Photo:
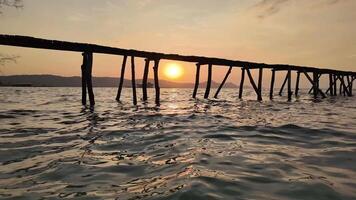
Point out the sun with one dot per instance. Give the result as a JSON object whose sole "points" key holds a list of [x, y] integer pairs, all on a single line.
{"points": [[173, 70]]}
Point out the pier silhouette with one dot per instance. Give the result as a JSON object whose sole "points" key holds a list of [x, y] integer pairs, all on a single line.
{"points": [[340, 82]]}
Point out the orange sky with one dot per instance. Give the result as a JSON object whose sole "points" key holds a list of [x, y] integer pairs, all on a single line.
{"points": [[301, 32]]}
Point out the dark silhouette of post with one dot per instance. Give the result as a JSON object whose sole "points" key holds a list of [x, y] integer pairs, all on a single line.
{"points": [[197, 77], [89, 79], [133, 81], [144, 79], [283, 85], [315, 84], [273, 77], [297, 84], [259, 98], [84, 81], [223, 82], [208, 82], [121, 78], [87, 84], [330, 85], [290, 85], [335, 84], [156, 78], [242, 82]]}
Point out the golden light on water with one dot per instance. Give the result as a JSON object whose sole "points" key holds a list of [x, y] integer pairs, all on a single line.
{"points": [[173, 71]]}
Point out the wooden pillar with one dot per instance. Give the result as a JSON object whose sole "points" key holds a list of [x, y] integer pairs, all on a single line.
{"points": [[289, 85], [223, 82], [242, 82], [144, 79], [284, 84], [89, 70], [121, 78], [335, 84], [253, 84], [315, 85], [133, 81], [155, 73], [297, 84], [84, 81], [259, 97], [208, 82], [273, 77], [349, 87], [196, 86], [311, 89], [330, 85]]}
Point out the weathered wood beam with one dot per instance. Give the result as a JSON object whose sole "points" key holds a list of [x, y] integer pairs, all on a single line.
{"points": [[208, 82], [242, 82], [197, 77], [223, 82], [144, 80], [133, 81], [273, 77], [121, 82], [31, 42], [156, 78]]}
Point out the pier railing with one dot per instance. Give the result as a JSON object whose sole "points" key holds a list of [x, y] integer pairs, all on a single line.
{"points": [[343, 79]]}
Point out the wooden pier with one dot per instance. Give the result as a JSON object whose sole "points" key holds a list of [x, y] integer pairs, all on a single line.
{"points": [[340, 82]]}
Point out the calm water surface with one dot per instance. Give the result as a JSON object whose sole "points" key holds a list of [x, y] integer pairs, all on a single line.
{"points": [[53, 148]]}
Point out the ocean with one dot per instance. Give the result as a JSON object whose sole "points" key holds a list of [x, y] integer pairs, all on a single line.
{"points": [[51, 147]]}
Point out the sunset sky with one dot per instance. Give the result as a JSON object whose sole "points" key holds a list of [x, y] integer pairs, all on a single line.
{"points": [[301, 32]]}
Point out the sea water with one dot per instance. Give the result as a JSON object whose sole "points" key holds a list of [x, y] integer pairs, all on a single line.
{"points": [[52, 147]]}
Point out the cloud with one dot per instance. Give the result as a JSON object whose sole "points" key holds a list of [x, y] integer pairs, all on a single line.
{"points": [[267, 8]]}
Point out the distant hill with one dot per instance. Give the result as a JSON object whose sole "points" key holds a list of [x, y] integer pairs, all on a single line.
{"points": [[75, 81]]}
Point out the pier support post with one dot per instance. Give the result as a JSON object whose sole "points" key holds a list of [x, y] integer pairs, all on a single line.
{"points": [[297, 84], [157, 89], [133, 81], [89, 78], [257, 89], [242, 82], [121, 82], [315, 84], [330, 85], [223, 82], [273, 77], [196, 85], [87, 67], [290, 85], [311, 89], [335, 84], [208, 82], [283, 85], [84, 81], [349, 85], [144, 79], [260, 77]]}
